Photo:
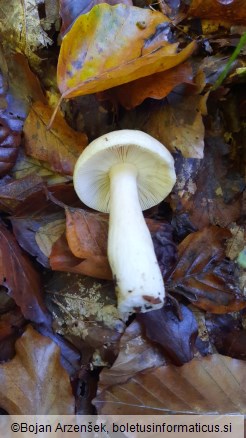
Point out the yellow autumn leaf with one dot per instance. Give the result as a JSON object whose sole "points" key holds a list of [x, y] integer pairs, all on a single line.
{"points": [[113, 45]]}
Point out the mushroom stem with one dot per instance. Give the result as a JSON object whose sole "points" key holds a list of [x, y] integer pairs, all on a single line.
{"points": [[139, 282]]}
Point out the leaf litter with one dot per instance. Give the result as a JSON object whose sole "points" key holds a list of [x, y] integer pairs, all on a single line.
{"points": [[173, 56]]}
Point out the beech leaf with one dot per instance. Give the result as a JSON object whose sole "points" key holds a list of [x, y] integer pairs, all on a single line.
{"points": [[231, 11], [18, 275], [34, 382], [60, 146], [70, 10], [136, 353], [62, 259], [210, 385], [178, 125], [203, 274], [156, 86], [112, 45], [175, 330]]}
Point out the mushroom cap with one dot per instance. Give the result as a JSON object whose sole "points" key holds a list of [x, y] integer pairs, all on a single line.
{"points": [[155, 168]]}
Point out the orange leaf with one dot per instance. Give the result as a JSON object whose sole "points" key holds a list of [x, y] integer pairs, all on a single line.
{"points": [[34, 382], [156, 86], [60, 146], [62, 259], [112, 45], [233, 11], [87, 233]]}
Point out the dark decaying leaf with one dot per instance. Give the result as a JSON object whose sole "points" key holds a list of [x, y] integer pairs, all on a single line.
{"points": [[13, 193], [210, 385], [85, 308], [214, 195], [203, 274], [165, 248], [37, 234], [18, 275], [228, 335], [174, 329], [9, 144], [40, 384], [136, 353], [70, 10], [11, 327]]}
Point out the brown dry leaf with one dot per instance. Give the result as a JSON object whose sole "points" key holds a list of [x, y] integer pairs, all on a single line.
{"points": [[210, 385], [204, 275], [60, 146], [231, 11], [12, 324], [25, 166], [13, 193], [156, 86], [21, 279], [62, 259], [87, 233], [136, 353], [178, 125], [112, 45], [34, 382]]}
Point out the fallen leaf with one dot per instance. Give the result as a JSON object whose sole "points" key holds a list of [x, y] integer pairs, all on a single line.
{"points": [[15, 192], [217, 189], [209, 385], [18, 275], [62, 259], [85, 308], [23, 89], [165, 248], [156, 86], [37, 234], [19, 86], [60, 146], [203, 274], [70, 10], [112, 45], [174, 329], [11, 326], [178, 125], [87, 233], [20, 27], [231, 11], [136, 353], [25, 166], [9, 145], [34, 382], [227, 335]]}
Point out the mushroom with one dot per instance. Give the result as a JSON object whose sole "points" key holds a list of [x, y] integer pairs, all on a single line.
{"points": [[123, 173]]}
